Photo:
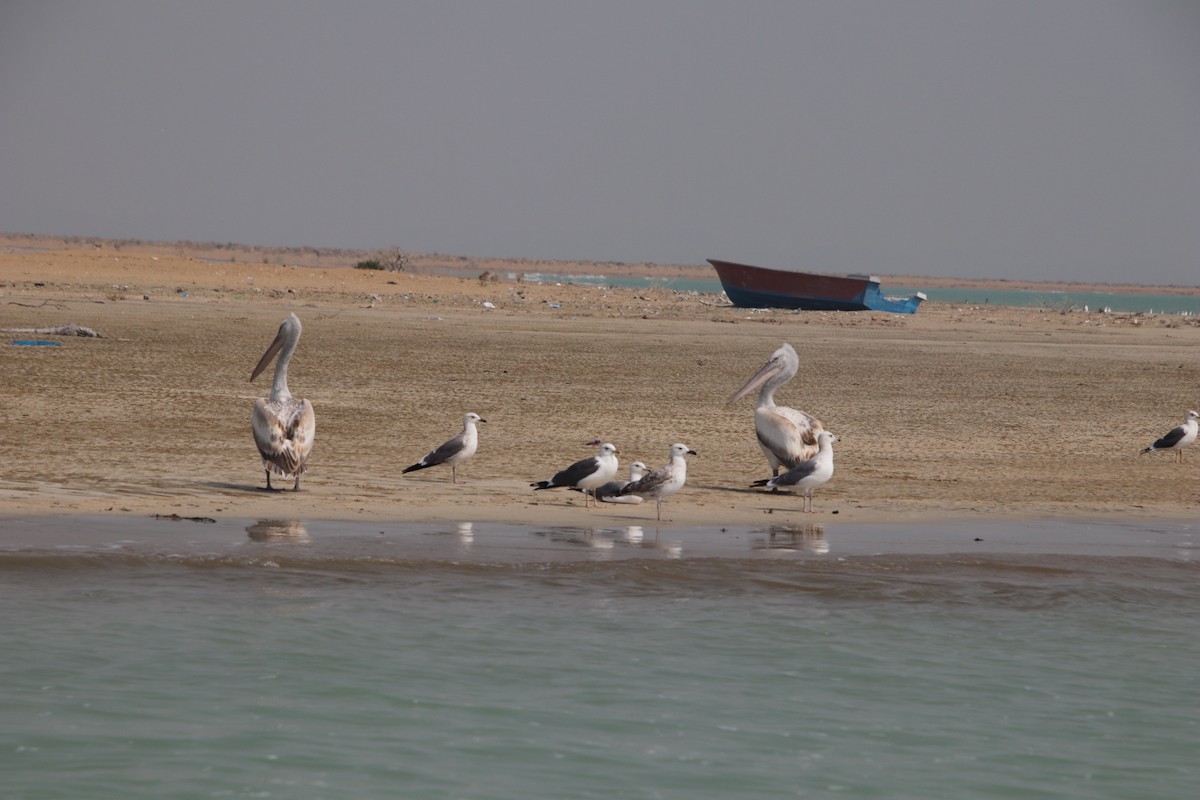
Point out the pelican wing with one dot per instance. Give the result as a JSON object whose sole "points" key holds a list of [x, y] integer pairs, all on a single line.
{"points": [[789, 434], [284, 434]]}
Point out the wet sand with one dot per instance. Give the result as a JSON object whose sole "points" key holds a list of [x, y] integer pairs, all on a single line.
{"points": [[952, 413], [337, 544]]}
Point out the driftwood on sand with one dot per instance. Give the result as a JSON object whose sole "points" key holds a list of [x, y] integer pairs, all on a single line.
{"points": [[70, 329]]}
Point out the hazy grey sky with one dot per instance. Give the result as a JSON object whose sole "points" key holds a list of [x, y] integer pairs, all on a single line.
{"points": [[1023, 138]]}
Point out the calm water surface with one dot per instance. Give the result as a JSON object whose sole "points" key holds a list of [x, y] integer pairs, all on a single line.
{"points": [[150, 659]]}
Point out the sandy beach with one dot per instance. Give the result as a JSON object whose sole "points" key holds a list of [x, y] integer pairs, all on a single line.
{"points": [[955, 412]]}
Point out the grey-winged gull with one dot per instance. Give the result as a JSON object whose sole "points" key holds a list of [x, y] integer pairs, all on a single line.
{"points": [[611, 491], [455, 451], [1179, 437], [807, 475], [586, 474]]}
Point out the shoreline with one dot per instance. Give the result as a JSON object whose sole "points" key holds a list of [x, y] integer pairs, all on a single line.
{"points": [[952, 413], [333, 544]]}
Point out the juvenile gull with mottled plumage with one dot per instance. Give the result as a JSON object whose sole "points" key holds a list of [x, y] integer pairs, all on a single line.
{"points": [[664, 481]]}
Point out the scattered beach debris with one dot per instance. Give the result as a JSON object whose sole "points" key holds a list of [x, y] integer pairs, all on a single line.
{"points": [[70, 329], [42, 304], [177, 518], [35, 343]]}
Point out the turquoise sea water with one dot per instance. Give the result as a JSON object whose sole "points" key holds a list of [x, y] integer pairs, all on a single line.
{"points": [[153, 658], [1054, 301]]}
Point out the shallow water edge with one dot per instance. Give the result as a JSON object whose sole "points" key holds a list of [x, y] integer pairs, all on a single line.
{"points": [[354, 542]]}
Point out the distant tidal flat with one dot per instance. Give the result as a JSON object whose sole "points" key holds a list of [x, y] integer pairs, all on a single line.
{"points": [[1114, 302]]}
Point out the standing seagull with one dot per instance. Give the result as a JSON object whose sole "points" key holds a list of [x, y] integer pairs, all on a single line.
{"points": [[807, 475], [455, 451], [1178, 438], [586, 474], [283, 426], [787, 436], [611, 491], [664, 481]]}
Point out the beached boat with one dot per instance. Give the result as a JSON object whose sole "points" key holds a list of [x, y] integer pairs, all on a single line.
{"points": [[761, 287]]}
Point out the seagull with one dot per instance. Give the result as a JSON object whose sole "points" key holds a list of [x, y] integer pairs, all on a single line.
{"points": [[807, 475], [455, 451], [610, 492], [1179, 437], [786, 435], [586, 474], [664, 481], [283, 426]]}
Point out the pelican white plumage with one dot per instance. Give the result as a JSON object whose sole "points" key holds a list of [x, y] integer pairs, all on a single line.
{"points": [[283, 426], [586, 474], [664, 481], [455, 451], [1178, 437], [807, 475], [786, 435]]}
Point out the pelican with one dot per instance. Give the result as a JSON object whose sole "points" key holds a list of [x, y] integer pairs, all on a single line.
{"points": [[664, 481], [1178, 437], [610, 492], [787, 436], [455, 451], [283, 426], [586, 474], [809, 474]]}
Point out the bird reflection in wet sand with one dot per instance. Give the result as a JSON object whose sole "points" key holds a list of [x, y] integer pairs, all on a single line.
{"points": [[278, 530], [793, 538]]}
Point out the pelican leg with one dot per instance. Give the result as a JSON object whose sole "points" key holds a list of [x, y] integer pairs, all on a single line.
{"points": [[269, 489], [296, 488]]}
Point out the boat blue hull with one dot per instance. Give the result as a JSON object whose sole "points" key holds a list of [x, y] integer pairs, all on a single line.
{"points": [[758, 287]]}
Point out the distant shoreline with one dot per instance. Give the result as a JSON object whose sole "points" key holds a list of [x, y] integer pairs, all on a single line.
{"points": [[442, 264]]}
